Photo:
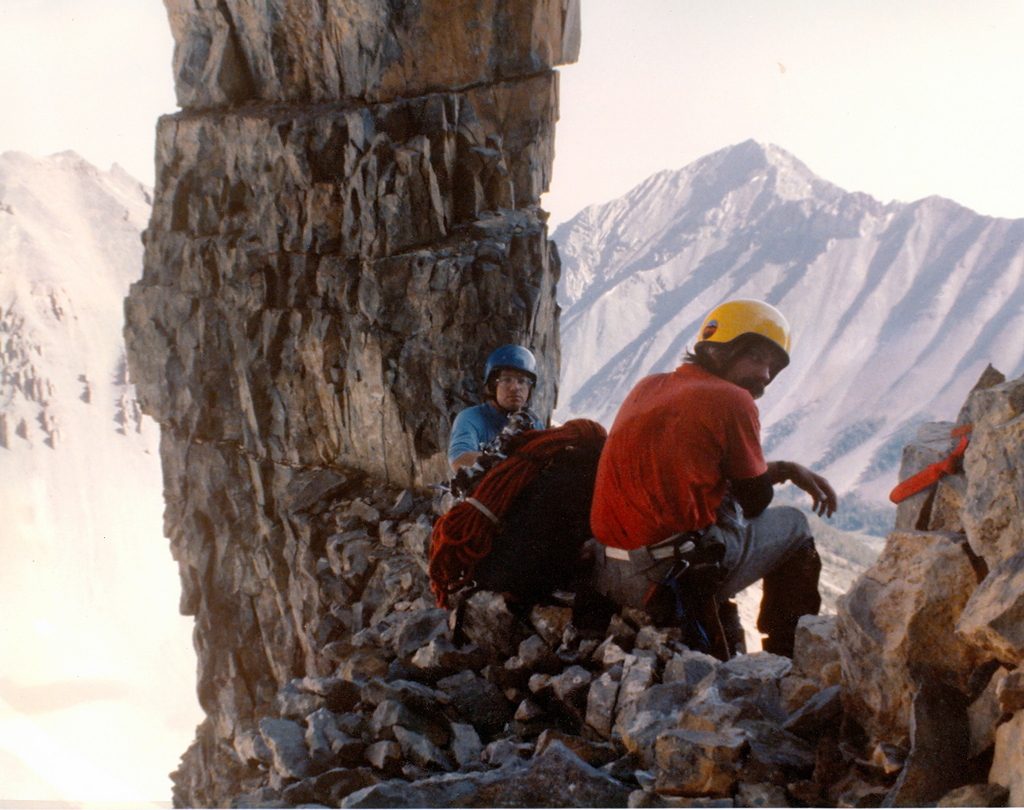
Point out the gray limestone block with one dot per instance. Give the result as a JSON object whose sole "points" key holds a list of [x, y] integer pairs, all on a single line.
{"points": [[985, 712], [753, 683], [820, 713], [932, 444], [477, 701], [230, 54], [332, 786], [590, 751], [385, 756], [601, 699], [773, 749], [557, 778], [570, 687], [466, 746], [416, 537], [993, 510], [489, 624], [900, 618], [440, 657], [993, 618], [658, 708], [420, 750], [760, 795], [534, 655], [690, 666], [939, 747], [417, 629], [286, 740], [391, 713]]}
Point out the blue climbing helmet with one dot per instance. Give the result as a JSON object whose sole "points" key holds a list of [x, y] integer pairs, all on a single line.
{"points": [[511, 356]]}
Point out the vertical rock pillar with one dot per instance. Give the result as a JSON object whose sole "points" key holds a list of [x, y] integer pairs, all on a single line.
{"points": [[345, 222]]}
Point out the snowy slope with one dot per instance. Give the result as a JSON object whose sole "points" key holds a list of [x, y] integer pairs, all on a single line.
{"points": [[98, 668], [896, 309]]}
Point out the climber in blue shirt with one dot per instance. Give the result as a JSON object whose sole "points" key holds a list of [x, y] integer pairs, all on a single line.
{"points": [[510, 374]]}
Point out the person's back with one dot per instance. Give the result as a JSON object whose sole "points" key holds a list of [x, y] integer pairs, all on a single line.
{"points": [[683, 453], [676, 441]]}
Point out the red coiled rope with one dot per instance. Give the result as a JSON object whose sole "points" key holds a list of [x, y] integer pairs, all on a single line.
{"points": [[464, 534]]}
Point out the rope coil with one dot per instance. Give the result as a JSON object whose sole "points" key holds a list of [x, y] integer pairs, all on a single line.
{"points": [[464, 535]]}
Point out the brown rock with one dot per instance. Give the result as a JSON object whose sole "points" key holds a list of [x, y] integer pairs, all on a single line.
{"points": [[983, 795], [1010, 692], [932, 444], [992, 619], [1008, 761], [899, 620], [993, 512], [985, 712], [696, 763], [815, 646], [368, 50]]}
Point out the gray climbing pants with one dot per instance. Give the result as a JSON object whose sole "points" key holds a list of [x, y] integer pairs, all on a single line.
{"points": [[775, 547]]}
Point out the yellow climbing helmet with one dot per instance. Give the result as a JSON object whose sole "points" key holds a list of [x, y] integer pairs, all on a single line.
{"points": [[745, 316]]}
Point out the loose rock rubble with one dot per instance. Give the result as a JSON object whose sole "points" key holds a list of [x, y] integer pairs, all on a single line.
{"points": [[524, 708]]}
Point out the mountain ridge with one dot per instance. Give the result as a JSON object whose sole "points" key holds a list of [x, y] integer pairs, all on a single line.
{"points": [[89, 624], [887, 300]]}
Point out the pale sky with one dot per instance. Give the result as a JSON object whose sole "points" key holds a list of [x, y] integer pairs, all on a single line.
{"points": [[899, 99]]}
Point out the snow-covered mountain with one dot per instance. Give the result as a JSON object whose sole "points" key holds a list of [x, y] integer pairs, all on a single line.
{"points": [[896, 308], [97, 685]]}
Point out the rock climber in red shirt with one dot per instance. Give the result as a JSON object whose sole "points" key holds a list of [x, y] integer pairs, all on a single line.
{"points": [[680, 504]]}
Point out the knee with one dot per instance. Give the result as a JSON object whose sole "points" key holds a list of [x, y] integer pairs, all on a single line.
{"points": [[794, 519]]}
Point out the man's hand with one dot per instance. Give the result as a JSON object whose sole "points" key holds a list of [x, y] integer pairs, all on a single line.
{"points": [[823, 496], [465, 460]]}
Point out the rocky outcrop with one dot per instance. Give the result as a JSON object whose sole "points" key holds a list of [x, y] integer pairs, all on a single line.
{"points": [[345, 222], [931, 634], [912, 695]]}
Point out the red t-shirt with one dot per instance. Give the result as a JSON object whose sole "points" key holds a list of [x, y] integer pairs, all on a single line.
{"points": [[676, 442]]}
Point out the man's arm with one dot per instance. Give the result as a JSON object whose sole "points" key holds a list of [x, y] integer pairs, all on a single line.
{"points": [[465, 460], [823, 496], [754, 494]]}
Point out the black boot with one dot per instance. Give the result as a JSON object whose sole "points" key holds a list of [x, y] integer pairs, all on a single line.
{"points": [[790, 591]]}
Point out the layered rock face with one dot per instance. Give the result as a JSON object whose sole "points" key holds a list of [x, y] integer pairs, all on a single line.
{"points": [[345, 223]]}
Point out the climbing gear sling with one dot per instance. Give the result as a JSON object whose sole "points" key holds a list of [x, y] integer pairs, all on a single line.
{"points": [[931, 474]]}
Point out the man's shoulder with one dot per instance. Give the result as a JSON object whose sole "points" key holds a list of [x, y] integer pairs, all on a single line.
{"points": [[474, 411], [692, 377]]}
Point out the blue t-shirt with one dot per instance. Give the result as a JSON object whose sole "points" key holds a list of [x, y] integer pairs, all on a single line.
{"points": [[475, 428]]}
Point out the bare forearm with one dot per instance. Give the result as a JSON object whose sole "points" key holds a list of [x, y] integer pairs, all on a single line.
{"points": [[821, 492]]}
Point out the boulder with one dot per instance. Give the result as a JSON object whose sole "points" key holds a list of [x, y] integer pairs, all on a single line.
{"points": [[993, 512], [896, 626], [1008, 759], [993, 619], [286, 740], [698, 763]]}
